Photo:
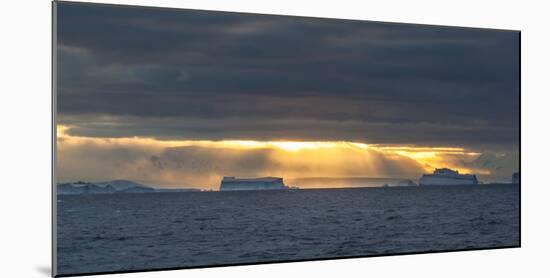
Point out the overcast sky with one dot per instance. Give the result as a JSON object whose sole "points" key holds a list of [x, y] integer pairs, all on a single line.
{"points": [[198, 75]]}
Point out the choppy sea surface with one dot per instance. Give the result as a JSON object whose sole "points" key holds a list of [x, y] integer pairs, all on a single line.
{"points": [[123, 232]]}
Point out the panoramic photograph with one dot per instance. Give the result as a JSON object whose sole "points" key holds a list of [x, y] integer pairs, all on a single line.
{"points": [[190, 138]]}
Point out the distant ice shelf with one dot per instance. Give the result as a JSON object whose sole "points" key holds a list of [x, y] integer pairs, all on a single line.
{"points": [[111, 187]]}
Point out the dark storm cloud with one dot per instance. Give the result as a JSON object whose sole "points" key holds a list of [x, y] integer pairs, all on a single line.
{"points": [[212, 75]]}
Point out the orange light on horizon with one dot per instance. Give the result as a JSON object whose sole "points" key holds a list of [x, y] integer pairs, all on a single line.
{"points": [[428, 158]]}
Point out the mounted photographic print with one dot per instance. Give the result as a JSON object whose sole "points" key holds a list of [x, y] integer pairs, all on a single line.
{"points": [[189, 138]]}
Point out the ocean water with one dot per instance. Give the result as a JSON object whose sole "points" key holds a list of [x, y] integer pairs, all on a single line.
{"points": [[122, 232]]}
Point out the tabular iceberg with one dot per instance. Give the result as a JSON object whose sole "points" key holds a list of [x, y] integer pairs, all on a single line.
{"points": [[446, 176], [265, 183], [515, 178]]}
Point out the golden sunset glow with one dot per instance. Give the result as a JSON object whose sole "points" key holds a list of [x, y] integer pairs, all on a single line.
{"points": [[437, 157], [292, 159], [291, 146]]}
